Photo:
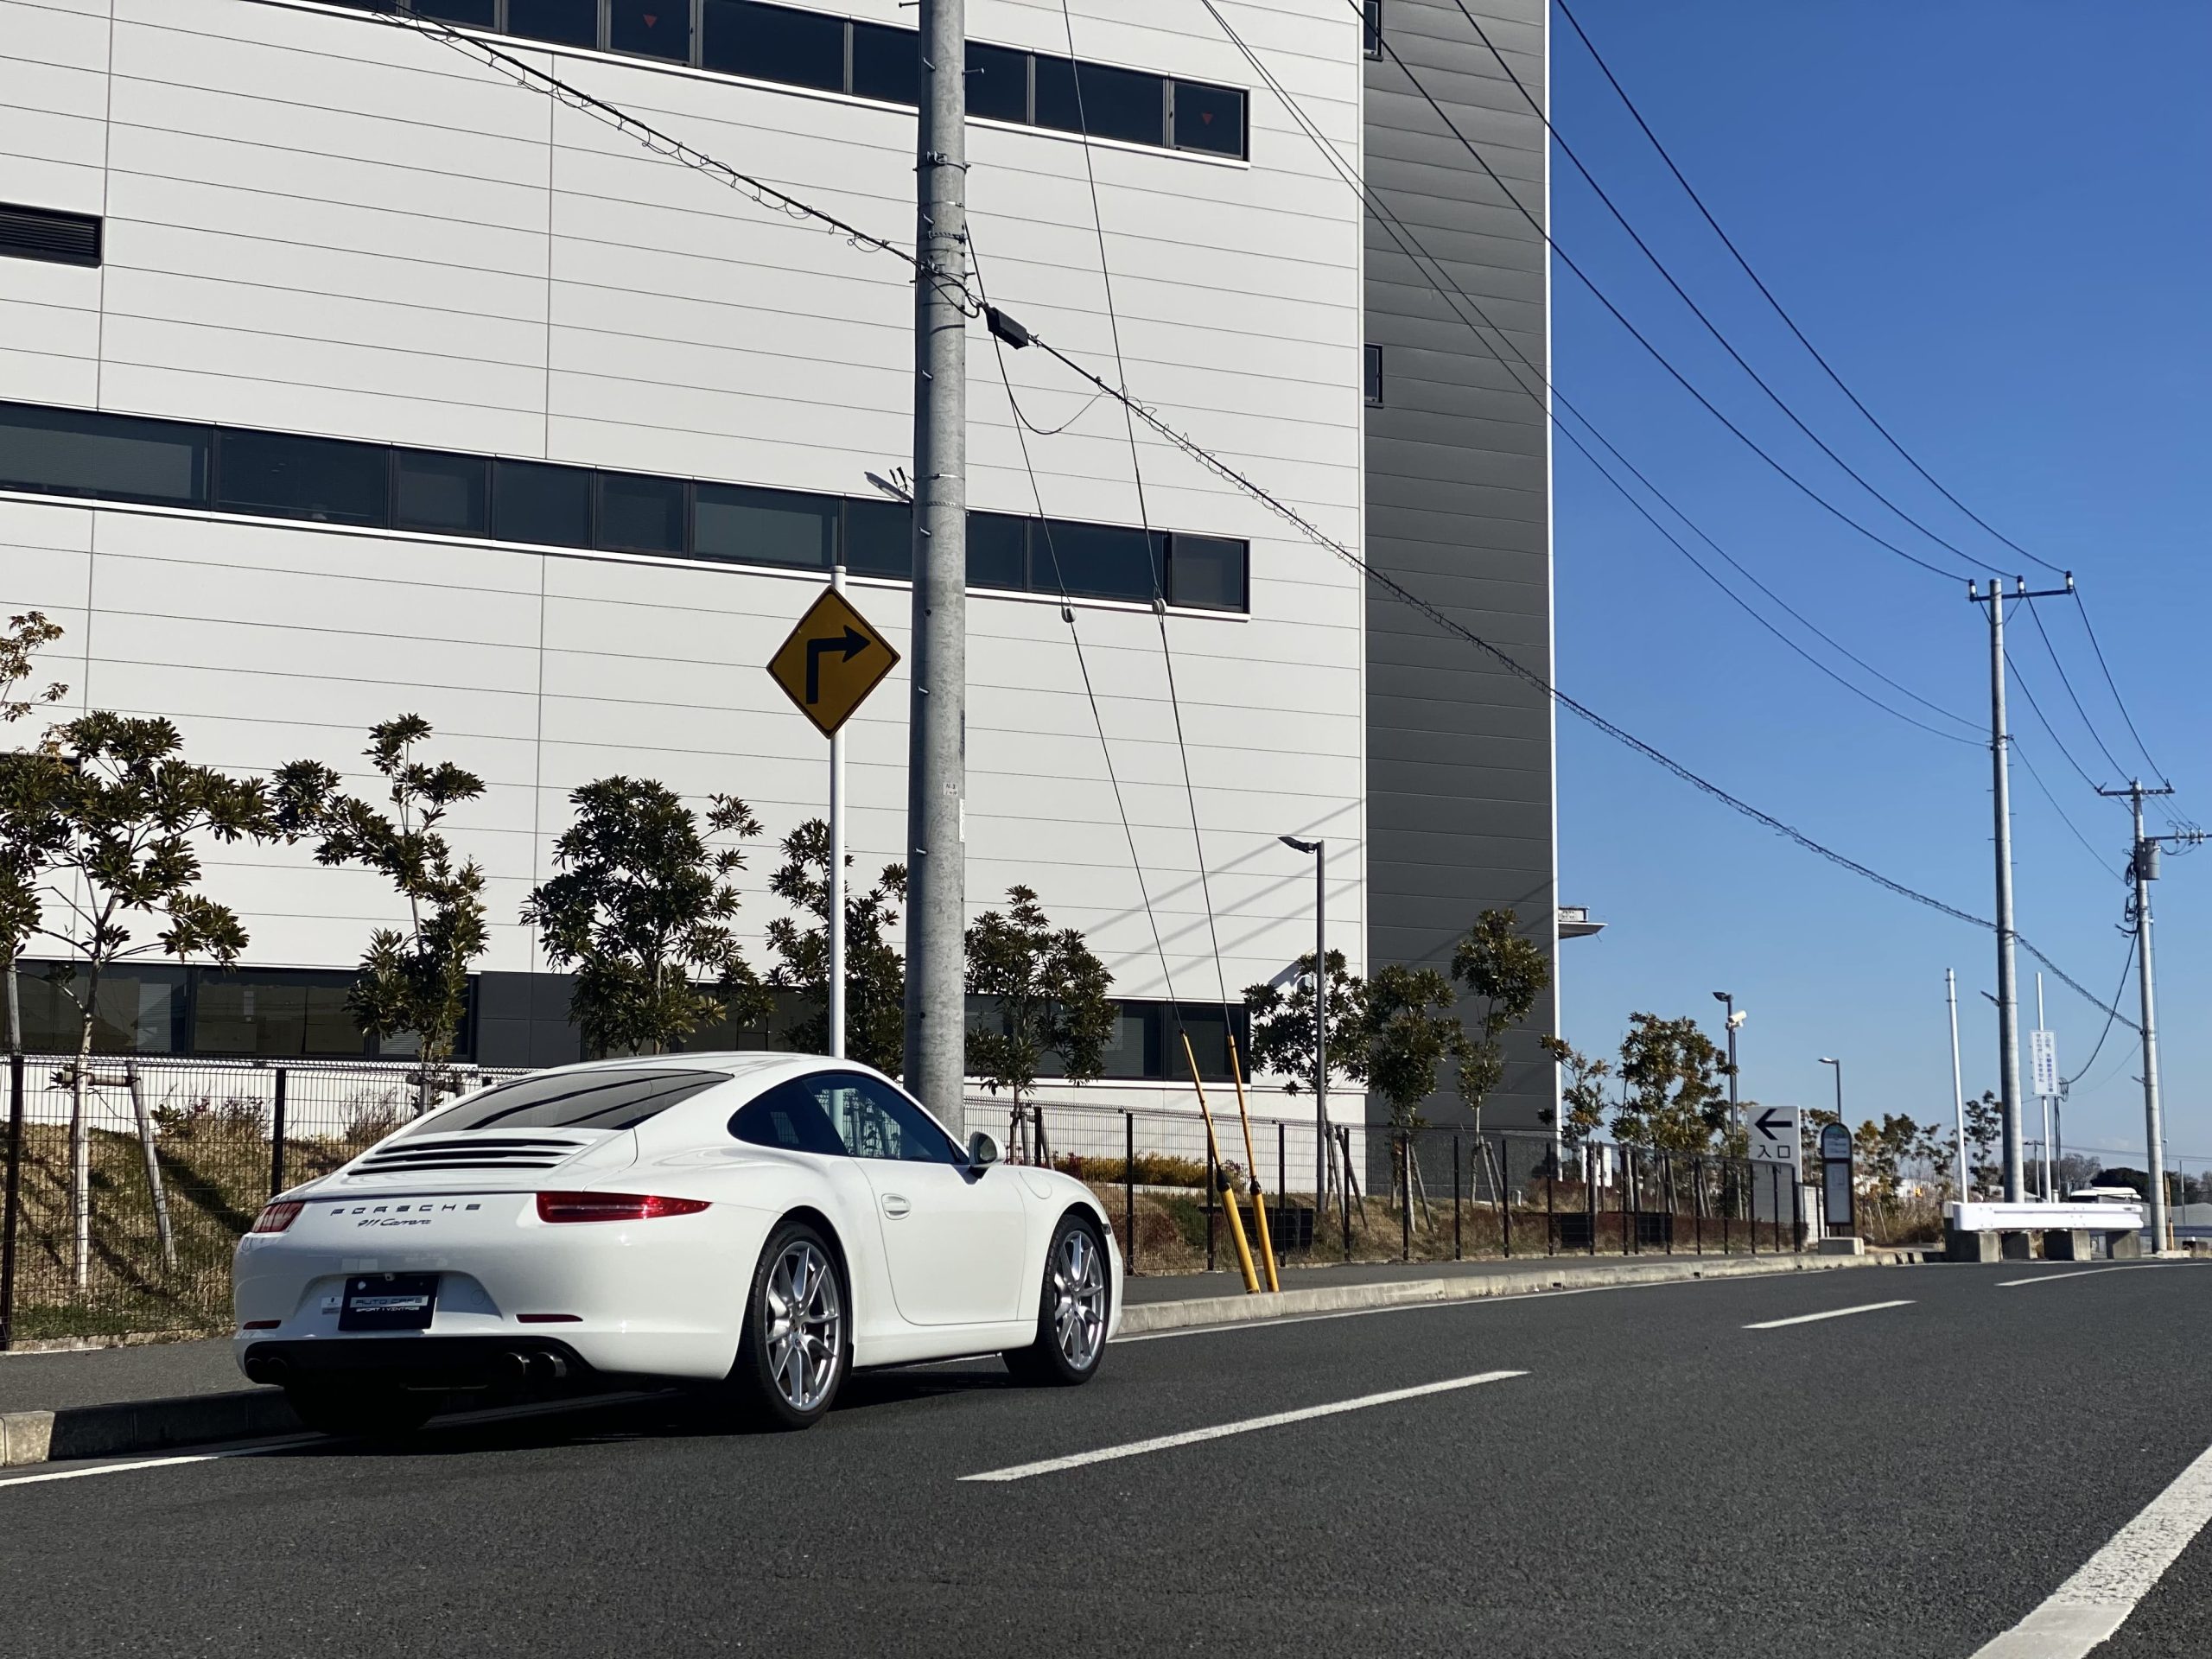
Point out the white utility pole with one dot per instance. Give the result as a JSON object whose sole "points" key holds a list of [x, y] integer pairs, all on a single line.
{"points": [[937, 903], [2143, 868], [836, 916], [1958, 1089], [2008, 989]]}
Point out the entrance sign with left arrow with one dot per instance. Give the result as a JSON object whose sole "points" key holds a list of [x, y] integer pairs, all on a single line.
{"points": [[1773, 1136], [831, 661]]}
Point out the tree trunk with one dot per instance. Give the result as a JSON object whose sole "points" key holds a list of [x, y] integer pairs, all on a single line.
{"points": [[161, 1227], [80, 1156]]}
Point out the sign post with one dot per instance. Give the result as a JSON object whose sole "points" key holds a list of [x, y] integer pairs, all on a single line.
{"points": [[827, 665], [2042, 1062], [1837, 1214]]}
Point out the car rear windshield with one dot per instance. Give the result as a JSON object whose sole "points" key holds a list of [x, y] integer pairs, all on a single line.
{"points": [[613, 1099]]}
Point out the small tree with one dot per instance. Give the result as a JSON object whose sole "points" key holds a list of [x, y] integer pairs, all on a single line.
{"points": [[875, 974], [415, 981], [1050, 995], [1673, 1073], [642, 907], [1411, 1033], [1282, 1025], [117, 811], [1504, 973], [1582, 1096], [24, 827], [1985, 1135]]}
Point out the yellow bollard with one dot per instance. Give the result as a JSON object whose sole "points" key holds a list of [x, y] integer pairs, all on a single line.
{"points": [[1213, 1146], [1252, 1169]]}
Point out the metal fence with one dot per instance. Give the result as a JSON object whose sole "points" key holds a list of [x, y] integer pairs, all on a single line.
{"points": [[1428, 1194], [126, 1222], [178, 1156]]}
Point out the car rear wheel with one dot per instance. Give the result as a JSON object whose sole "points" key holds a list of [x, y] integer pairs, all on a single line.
{"points": [[374, 1411], [1071, 1312], [793, 1356]]}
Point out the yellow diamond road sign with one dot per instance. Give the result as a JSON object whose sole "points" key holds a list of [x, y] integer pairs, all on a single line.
{"points": [[831, 661]]}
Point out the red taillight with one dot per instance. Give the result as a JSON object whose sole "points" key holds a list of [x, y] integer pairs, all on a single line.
{"points": [[613, 1206], [277, 1216]]}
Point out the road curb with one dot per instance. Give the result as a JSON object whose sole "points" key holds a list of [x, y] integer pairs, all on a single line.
{"points": [[1142, 1318], [134, 1426]]}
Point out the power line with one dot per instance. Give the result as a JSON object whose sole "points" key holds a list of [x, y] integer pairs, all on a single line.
{"points": [[2126, 962], [1431, 270], [2088, 846], [1681, 293], [1828, 369], [1636, 334], [2044, 635], [2014, 668]]}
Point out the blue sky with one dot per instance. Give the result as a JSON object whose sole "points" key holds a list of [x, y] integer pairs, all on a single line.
{"points": [[1991, 218]]}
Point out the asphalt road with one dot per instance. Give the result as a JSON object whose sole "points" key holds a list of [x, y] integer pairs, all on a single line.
{"points": [[1660, 1481]]}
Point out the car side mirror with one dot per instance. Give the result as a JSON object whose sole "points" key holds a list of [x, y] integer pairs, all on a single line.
{"points": [[984, 1150]]}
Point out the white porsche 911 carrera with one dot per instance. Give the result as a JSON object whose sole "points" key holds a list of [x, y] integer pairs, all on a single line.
{"points": [[769, 1221]]}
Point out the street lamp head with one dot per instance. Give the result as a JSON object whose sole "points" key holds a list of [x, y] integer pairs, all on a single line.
{"points": [[1829, 1060], [1302, 846], [1724, 996]]}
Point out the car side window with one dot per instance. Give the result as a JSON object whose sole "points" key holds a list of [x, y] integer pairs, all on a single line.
{"points": [[788, 1116], [872, 1120]]}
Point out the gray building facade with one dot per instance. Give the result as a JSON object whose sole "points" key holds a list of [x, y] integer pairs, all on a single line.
{"points": [[1461, 766]]}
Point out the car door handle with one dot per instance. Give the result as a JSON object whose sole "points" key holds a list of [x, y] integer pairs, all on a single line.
{"points": [[895, 1205]]}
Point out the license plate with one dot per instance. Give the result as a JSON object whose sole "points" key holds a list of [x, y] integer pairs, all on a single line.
{"points": [[389, 1301]]}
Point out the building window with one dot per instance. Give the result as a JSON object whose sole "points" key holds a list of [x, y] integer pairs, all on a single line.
{"points": [[640, 515], [470, 13], [1206, 573], [1211, 118], [447, 494], [778, 43], [998, 83], [534, 502], [653, 28], [111, 457], [77, 454], [1374, 375], [279, 476], [1101, 102], [564, 22], [163, 1008], [1370, 32], [887, 63]]}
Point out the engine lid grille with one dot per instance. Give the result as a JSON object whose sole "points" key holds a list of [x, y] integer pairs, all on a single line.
{"points": [[469, 1152]]}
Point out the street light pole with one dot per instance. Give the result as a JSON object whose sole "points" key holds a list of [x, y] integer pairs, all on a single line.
{"points": [[1824, 1060], [1727, 998], [1320, 851]]}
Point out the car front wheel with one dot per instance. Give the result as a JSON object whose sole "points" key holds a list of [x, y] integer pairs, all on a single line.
{"points": [[1072, 1311]]}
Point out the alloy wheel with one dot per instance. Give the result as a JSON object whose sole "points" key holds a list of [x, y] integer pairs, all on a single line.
{"points": [[806, 1325], [1078, 1299]]}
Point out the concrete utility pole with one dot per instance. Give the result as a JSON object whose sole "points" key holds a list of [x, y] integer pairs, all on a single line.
{"points": [[1958, 1088], [2143, 867], [2008, 989], [937, 902]]}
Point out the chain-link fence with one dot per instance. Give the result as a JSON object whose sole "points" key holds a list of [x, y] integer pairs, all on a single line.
{"points": [[124, 1199]]}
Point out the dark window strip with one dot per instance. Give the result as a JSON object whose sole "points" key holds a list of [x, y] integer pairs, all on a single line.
{"points": [[80, 452], [46, 233], [792, 46]]}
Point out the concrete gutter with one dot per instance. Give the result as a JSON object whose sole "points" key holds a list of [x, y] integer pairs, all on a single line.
{"points": [[1139, 1319], [130, 1429]]}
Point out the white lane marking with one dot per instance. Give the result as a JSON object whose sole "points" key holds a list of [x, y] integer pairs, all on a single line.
{"points": [[1276, 1419], [2087, 1608], [256, 1448], [2045, 1278], [1832, 1313]]}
